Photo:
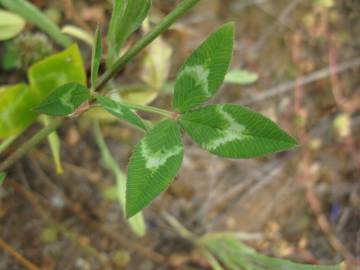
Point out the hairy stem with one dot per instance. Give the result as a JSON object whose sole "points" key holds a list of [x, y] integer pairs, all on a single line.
{"points": [[119, 64]]}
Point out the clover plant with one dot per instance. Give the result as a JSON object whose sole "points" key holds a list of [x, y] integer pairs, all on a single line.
{"points": [[57, 88], [226, 130]]}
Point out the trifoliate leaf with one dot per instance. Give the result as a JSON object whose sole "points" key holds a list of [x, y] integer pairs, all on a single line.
{"points": [[120, 111], [204, 71], [64, 100], [127, 17], [96, 57], [153, 165], [233, 131], [10, 25]]}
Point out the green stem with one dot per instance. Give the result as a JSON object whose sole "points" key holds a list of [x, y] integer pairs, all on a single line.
{"points": [[6, 143], [119, 64], [180, 10], [30, 144], [149, 109]]}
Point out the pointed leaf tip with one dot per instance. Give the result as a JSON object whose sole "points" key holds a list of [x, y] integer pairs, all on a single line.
{"points": [[204, 71], [233, 131], [153, 165]]}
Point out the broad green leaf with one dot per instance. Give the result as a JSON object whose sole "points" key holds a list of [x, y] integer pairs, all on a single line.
{"points": [[153, 165], [204, 71], [10, 25], [233, 131], [2, 177], [32, 14], [96, 57], [57, 70], [127, 17], [120, 111], [55, 145], [235, 255], [241, 76], [137, 223], [64, 100], [78, 33], [16, 102]]}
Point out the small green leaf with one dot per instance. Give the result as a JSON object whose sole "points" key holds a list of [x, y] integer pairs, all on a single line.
{"points": [[126, 18], [233, 131], [121, 111], [241, 76], [153, 165], [10, 25], [2, 177], [96, 57], [16, 102], [64, 100], [32, 14], [204, 71]]}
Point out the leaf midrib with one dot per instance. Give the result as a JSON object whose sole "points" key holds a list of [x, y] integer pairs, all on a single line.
{"points": [[252, 136]]}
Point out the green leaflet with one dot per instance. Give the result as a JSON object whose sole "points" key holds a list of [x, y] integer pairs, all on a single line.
{"points": [[234, 255], [121, 111], [64, 100], [32, 14], [136, 223], [96, 57], [233, 131], [204, 71], [2, 177], [127, 17], [153, 165], [16, 102], [241, 76], [10, 25], [56, 70]]}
